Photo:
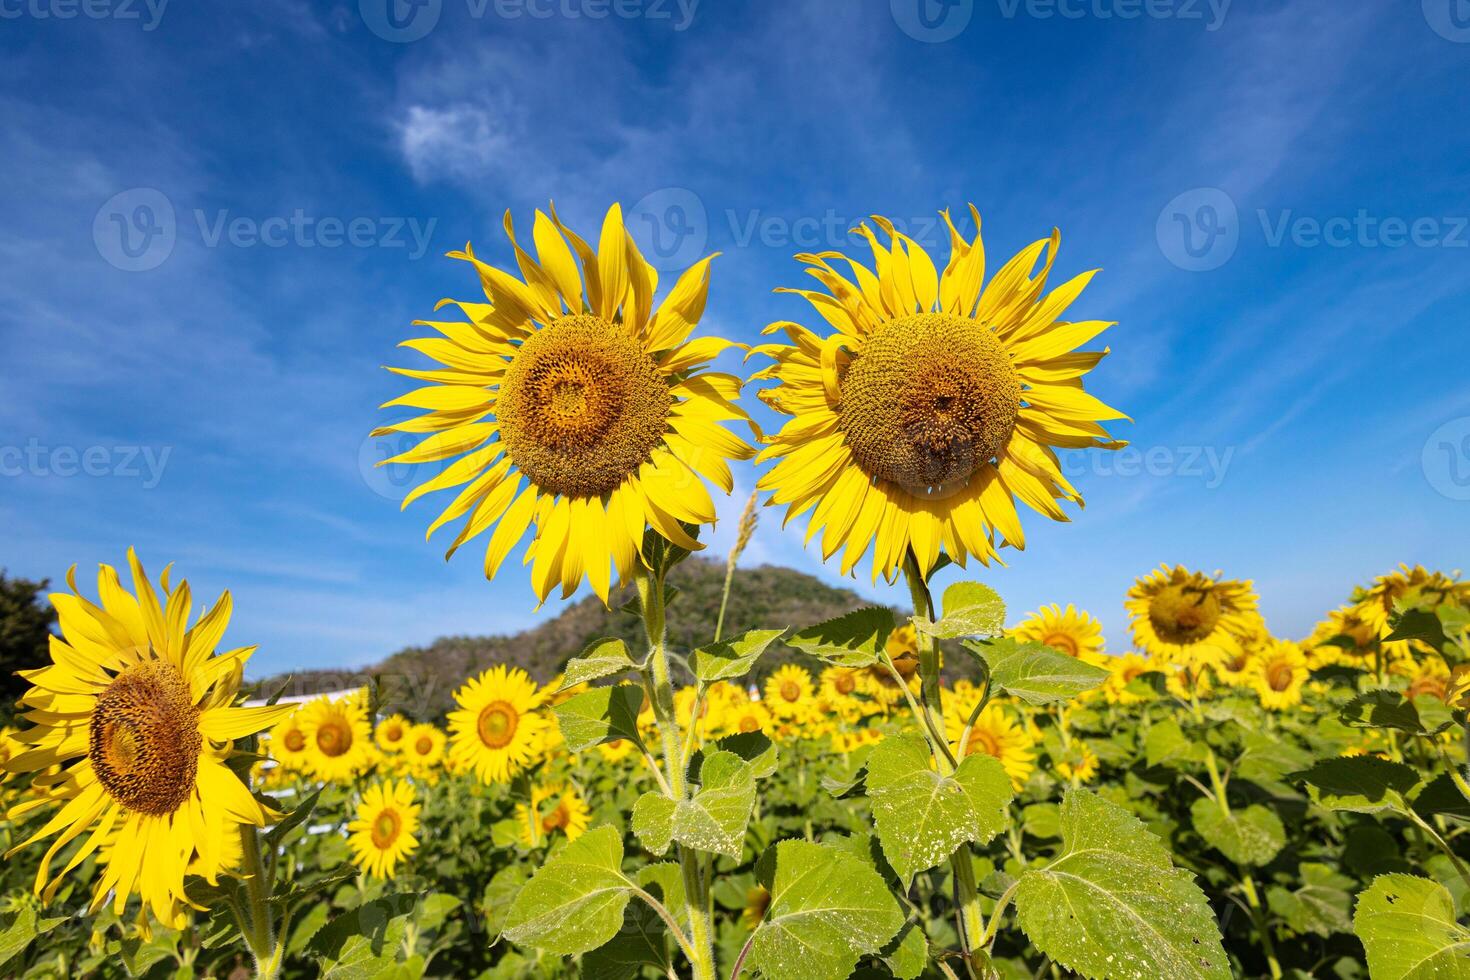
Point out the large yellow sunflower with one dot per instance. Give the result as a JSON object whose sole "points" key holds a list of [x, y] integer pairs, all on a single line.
{"points": [[788, 692], [575, 383], [1077, 634], [423, 747], [339, 741], [391, 732], [132, 723], [498, 729], [933, 404], [1189, 616], [383, 833], [996, 732]]}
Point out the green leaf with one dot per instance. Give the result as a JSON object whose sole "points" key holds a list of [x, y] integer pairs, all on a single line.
{"points": [[21, 929], [500, 895], [642, 941], [1419, 624], [828, 909], [1269, 758], [1034, 673], [923, 817], [291, 821], [1112, 904], [1251, 836], [1408, 927], [1425, 715], [603, 714], [734, 657], [380, 922], [1322, 906], [853, 640], [1166, 745], [907, 954], [970, 609], [602, 658], [575, 902], [714, 820], [435, 910], [1361, 784], [755, 748], [1441, 796]]}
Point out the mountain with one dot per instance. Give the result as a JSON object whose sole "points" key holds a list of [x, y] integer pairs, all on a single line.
{"points": [[420, 681]]}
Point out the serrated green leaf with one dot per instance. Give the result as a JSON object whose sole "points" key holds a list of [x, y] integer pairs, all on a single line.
{"points": [[603, 714], [1251, 836], [1268, 758], [713, 820], [575, 902], [970, 609], [1408, 927], [734, 657], [1361, 784], [291, 821], [1321, 906], [642, 941], [1034, 673], [1441, 797], [853, 640], [907, 954], [921, 816], [500, 895], [379, 922], [828, 909], [1112, 904], [755, 748], [1425, 715], [653, 821], [601, 658]]}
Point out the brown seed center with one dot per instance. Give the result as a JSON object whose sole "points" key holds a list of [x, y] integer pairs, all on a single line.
{"points": [[144, 739], [1184, 614], [385, 829], [497, 724]]}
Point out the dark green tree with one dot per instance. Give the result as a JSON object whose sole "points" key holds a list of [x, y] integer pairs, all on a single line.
{"points": [[26, 619]]}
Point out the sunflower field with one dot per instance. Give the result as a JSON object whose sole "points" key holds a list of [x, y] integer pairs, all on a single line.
{"points": [[952, 790]]}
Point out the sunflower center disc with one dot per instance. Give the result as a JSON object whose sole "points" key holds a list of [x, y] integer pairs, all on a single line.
{"points": [[790, 691], [930, 400], [750, 723], [295, 740], [845, 684], [498, 724], [581, 407], [1062, 642], [333, 738], [144, 739], [385, 829], [1182, 614], [424, 746], [984, 742], [1279, 677]]}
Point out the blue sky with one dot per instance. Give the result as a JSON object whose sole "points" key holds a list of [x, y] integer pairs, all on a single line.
{"points": [[1277, 194]]}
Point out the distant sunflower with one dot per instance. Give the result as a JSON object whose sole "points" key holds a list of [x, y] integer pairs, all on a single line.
{"points": [[287, 742], [339, 741], [747, 716], [552, 808], [934, 403], [1182, 615], [591, 395], [1077, 634], [617, 750], [423, 747], [1236, 661], [788, 692], [1280, 673], [497, 730], [1378, 603], [383, 833], [133, 722], [997, 733], [757, 902], [1078, 764], [1122, 672], [1360, 632], [391, 732], [839, 683]]}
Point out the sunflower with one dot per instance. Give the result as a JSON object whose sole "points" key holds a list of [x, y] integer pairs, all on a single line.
{"points": [[996, 732], [497, 730], [1280, 673], [1078, 765], [1381, 599], [423, 748], [391, 732], [1077, 634], [552, 808], [287, 742], [1185, 616], [903, 649], [1348, 622], [132, 724], [1122, 672], [757, 901], [747, 716], [1235, 665], [1194, 680], [382, 834], [616, 751], [591, 395], [850, 741], [933, 404], [788, 692], [339, 741]]}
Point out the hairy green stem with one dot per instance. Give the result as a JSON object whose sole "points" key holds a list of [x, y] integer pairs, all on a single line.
{"points": [[260, 935]]}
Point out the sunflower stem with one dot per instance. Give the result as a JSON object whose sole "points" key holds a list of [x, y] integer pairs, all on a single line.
{"points": [[701, 950], [259, 936], [972, 921]]}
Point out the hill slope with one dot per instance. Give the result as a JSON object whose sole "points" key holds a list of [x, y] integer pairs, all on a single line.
{"points": [[420, 681]]}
